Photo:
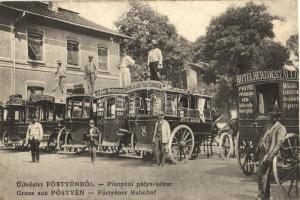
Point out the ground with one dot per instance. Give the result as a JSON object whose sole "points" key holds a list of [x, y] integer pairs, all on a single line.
{"points": [[202, 178]]}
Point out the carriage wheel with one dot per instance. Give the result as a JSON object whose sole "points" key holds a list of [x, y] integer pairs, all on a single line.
{"points": [[286, 167], [226, 145], [4, 138], [181, 144], [245, 154], [61, 138], [147, 156]]}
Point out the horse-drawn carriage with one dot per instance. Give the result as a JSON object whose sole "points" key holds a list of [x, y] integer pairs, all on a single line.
{"points": [[258, 91], [79, 110], [189, 116], [18, 113]]}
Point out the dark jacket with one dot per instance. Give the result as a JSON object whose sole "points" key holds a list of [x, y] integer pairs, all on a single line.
{"points": [[95, 137]]}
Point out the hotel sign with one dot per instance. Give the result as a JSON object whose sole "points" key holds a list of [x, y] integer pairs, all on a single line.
{"points": [[267, 75]]}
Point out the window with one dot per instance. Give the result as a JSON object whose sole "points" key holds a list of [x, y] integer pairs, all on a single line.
{"points": [[86, 109], [171, 105], [267, 96], [45, 112], [73, 52], [102, 59], [111, 108], [35, 45]]}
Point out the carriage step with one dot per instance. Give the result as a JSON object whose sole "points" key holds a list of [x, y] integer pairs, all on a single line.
{"points": [[67, 152], [129, 156], [253, 163]]}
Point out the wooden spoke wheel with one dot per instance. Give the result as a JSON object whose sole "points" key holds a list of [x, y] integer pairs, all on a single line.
{"points": [[286, 167], [4, 139], [245, 154], [181, 144], [62, 137], [226, 145]]}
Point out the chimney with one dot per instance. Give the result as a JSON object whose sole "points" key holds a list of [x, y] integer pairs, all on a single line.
{"points": [[53, 5]]}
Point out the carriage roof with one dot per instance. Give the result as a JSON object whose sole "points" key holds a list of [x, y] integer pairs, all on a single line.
{"points": [[155, 85]]}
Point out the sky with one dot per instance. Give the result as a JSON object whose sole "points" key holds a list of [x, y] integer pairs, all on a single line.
{"points": [[190, 18]]}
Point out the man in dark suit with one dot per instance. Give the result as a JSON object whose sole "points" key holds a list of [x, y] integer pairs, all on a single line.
{"points": [[94, 138]]}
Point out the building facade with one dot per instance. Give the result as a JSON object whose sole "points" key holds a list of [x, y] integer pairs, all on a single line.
{"points": [[34, 35]]}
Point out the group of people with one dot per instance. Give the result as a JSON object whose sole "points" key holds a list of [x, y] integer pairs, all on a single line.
{"points": [[161, 137], [154, 64], [268, 146]]}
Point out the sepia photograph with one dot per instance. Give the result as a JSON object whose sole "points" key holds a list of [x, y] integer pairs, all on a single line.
{"points": [[149, 100]]}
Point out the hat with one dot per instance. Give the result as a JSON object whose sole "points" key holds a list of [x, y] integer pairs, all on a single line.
{"points": [[161, 113], [275, 110], [154, 42], [90, 56], [58, 62]]}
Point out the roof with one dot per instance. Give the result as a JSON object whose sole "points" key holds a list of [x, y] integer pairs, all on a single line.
{"points": [[66, 16]]}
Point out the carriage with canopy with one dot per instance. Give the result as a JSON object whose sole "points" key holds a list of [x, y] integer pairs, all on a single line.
{"points": [[80, 108], [258, 92], [189, 115], [17, 114]]}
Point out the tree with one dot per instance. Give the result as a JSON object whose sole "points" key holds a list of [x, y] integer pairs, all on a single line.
{"points": [[143, 24], [238, 41], [293, 44]]}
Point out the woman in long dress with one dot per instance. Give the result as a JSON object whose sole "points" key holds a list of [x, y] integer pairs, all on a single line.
{"points": [[125, 77]]}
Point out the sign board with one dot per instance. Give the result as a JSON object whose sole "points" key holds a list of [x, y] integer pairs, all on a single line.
{"points": [[290, 98], [267, 75], [246, 101], [145, 85], [41, 97], [108, 91]]}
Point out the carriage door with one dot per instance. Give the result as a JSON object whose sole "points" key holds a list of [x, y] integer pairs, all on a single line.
{"points": [[267, 95], [111, 122]]}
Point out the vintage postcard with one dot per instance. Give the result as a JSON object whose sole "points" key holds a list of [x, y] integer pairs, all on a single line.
{"points": [[136, 100]]}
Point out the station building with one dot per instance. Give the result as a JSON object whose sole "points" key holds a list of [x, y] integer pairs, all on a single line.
{"points": [[34, 35]]}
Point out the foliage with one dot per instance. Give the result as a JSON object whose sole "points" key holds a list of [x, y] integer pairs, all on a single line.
{"points": [[236, 42], [293, 44], [143, 24]]}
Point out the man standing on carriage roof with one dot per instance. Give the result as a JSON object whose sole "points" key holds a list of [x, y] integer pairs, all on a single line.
{"points": [[125, 77], [90, 75], [93, 140], [33, 136], [154, 63], [269, 145], [60, 76], [161, 137]]}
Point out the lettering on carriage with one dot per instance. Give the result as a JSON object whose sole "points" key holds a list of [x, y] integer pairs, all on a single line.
{"points": [[290, 96], [267, 75], [144, 132], [245, 95]]}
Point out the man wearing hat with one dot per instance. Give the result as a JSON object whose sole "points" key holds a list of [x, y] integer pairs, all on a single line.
{"points": [[161, 137], [60, 76], [268, 146], [90, 75], [94, 138], [155, 59], [33, 136]]}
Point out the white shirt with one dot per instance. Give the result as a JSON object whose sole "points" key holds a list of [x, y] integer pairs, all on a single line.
{"points": [[155, 55], [34, 130], [125, 61]]}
